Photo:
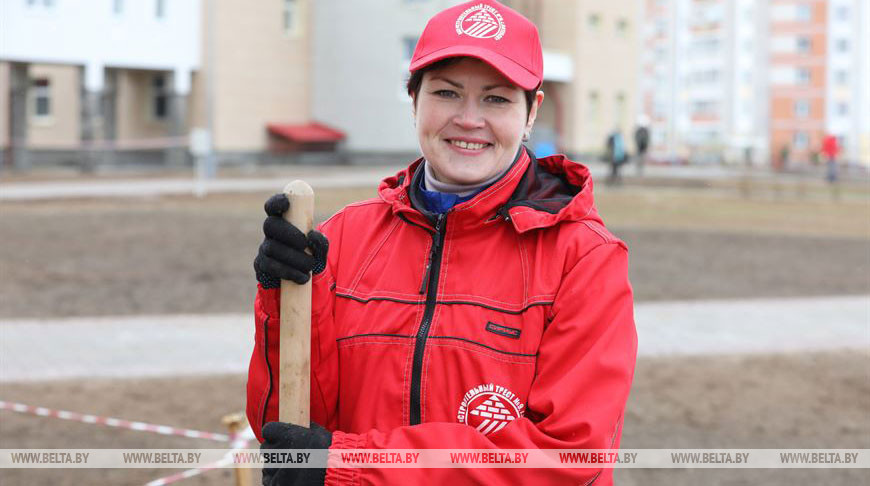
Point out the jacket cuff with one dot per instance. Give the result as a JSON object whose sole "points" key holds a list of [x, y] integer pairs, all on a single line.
{"points": [[270, 300], [344, 475]]}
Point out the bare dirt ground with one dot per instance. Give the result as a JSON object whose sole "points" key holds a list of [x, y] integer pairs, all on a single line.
{"points": [[779, 401], [180, 254], [188, 255]]}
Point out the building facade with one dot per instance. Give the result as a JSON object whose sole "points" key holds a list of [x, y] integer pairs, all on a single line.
{"points": [[758, 82], [702, 73], [78, 75]]}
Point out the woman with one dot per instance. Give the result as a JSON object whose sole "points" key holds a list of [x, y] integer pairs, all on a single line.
{"points": [[481, 278]]}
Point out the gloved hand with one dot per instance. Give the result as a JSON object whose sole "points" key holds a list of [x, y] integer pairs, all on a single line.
{"points": [[279, 435], [282, 253]]}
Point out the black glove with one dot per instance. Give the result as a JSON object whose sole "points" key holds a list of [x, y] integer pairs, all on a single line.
{"points": [[278, 435], [282, 253]]}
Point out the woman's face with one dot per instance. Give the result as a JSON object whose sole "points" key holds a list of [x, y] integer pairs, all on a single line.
{"points": [[470, 121]]}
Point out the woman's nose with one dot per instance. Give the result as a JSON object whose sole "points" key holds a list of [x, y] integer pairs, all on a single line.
{"points": [[469, 115]]}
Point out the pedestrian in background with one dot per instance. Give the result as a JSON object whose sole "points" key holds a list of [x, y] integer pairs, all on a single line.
{"points": [[641, 142], [784, 156], [830, 150], [616, 155], [478, 302]]}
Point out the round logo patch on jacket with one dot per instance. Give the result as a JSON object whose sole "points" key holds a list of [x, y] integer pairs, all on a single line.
{"points": [[489, 407]]}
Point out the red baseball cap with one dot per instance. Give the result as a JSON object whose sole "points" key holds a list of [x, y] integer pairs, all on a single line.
{"points": [[486, 30]]}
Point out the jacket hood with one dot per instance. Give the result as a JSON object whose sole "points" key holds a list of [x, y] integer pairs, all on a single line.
{"points": [[534, 193]]}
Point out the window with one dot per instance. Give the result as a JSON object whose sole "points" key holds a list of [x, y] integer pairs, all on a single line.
{"points": [[594, 21], [622, 27], [843, 45], [291, 16], [594, 106], [704, 108], [705, 77], [800, 140], [159, 97], [620, 108], [804, 44], [842, 109], [408, 45], [160, 9], [801, 108], [41, 95], [843, 13], [803, 12], [117, 7], [841, 76], [803, 76]]}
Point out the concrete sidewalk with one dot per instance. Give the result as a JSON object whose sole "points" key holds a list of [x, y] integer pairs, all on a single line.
{"points": [[326, 177], [321, 177], [143, 346]]}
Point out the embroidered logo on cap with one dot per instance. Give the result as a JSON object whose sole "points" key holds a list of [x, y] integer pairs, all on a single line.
{"points": [[489, 408], [482, 22]]}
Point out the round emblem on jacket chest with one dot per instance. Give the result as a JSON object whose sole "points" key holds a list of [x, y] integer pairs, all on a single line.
{"points": [[489, 408]]}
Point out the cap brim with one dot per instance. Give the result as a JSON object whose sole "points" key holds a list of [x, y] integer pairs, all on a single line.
{"points": [[517, 74]]}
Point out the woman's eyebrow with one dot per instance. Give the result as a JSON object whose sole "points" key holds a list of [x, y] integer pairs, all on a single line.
{"points": [[494, 86], [448, 81], [460, 86]]}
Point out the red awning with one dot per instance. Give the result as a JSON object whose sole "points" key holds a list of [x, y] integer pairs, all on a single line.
{"points": [[308, 132]]}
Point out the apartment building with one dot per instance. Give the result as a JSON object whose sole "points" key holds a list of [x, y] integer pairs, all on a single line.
{"points": [[702, 72], [847, 78], [755, 81], [798, 78]]}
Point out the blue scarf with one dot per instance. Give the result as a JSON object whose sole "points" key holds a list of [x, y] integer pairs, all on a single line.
{"points": [[441, 202]]}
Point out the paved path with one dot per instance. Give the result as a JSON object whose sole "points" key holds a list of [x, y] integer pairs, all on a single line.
{"points": [[327, 177], [36, 349], [320, 177]]}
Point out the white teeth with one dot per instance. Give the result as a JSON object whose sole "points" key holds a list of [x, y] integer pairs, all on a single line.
{"points": [[468, 145]]}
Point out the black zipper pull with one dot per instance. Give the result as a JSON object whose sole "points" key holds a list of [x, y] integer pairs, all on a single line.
{"points": [[426, 275]]}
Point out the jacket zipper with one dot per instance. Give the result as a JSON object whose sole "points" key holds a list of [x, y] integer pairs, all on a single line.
{"points": [[430, 288]]}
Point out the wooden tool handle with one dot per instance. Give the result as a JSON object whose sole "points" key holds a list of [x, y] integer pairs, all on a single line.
{"points": [[295, 341]]}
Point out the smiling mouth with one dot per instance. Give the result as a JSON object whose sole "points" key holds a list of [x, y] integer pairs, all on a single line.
{"points": [[467, 145]]}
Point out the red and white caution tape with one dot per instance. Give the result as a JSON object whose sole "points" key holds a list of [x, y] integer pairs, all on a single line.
{"points": [[190, 473], [240, 441], [112, 422]]}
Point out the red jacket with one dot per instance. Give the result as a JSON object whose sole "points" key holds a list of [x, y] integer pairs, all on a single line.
{"points": [[519, 297], [830, 147]]}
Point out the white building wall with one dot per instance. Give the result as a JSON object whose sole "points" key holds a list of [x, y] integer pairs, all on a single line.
{"points": [[360, 63], [862, 83], [91, 34], [845, 80]]}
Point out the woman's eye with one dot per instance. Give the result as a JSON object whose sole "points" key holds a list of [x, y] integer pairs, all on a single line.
{"points": [[445, 93], [497, 99]]}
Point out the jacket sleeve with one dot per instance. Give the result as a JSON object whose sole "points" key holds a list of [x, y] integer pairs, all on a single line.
{"points": [[262, 388], [584, 371]]}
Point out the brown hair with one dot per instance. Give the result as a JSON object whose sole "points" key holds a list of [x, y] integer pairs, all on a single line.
{"points": [[416, 79]]}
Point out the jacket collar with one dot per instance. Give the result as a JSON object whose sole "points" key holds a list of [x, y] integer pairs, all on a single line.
{"points": [[534, 193]]}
